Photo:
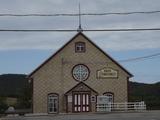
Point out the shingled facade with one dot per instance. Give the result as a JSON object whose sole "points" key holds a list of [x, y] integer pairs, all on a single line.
{"points": [[72, 78]]}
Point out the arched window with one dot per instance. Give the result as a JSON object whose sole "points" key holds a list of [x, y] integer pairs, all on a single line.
{"points": [[52, 103], [80, 47], [110, 96]]}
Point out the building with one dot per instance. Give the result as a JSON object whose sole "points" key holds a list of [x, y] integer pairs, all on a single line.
{"points": [[72, 78]]}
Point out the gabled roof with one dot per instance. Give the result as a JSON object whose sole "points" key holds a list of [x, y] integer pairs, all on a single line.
{"points": [[80, 84], [80, 33]]}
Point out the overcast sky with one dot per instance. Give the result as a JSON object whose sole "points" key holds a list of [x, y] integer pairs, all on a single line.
{"points": [[23, 52]]}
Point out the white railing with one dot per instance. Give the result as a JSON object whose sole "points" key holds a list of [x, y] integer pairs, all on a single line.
{"points": [[121, 106]]}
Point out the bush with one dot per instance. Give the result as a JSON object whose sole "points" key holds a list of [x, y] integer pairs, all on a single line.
{"points": [[3, 105]]}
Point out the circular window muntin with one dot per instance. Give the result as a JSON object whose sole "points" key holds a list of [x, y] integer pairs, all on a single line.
{"points": [[80, 77]]}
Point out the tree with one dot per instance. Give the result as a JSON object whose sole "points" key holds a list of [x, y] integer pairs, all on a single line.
{"points": [[24, 100], [3, 105]]}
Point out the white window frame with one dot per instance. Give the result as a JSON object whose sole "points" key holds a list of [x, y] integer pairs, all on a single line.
{"points": [[80, 72], [80, 47], [53, 103], [110, 96]]}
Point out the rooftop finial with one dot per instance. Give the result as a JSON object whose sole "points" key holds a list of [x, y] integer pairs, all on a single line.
{"points": [[79, 28]]}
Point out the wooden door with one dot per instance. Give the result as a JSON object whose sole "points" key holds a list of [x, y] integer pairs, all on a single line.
{"points": [[81, 102]]}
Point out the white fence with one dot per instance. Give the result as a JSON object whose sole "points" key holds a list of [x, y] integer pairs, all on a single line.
{"points": [[121, 106]]}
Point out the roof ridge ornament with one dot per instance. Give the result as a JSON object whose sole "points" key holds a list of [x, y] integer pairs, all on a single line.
{"points": [[79, 27]]}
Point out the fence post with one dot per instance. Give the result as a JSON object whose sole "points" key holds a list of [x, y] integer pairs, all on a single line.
{"points": [[126, 106]]}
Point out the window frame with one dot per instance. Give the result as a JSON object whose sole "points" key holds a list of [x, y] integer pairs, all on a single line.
{"points": [[48, 102], [88, 70], [83, 45], [109, 94]]}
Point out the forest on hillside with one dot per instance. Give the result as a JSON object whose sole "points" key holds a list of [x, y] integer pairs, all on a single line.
{"points": [[150, 93], [17, 85], [12, 85]]}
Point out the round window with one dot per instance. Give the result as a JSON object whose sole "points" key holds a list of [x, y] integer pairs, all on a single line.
{"points": [[80, 72]]}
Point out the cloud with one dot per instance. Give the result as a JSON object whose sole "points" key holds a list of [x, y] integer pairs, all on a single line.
{"points": [[106, 40], [127, 40], [34, 41]]}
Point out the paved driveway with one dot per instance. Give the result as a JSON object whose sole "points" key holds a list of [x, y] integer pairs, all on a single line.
{"points": [[147, 115]]}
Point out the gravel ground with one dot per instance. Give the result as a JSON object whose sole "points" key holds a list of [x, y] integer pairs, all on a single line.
{"points": [[146, 115]]}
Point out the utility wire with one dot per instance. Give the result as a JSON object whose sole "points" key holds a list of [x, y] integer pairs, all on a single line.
{"points": [[82, 14], [140, 58], [74, 30], [124, 13], [36, 15]]}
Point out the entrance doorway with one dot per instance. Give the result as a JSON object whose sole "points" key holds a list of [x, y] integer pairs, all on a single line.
{"points": [[81, 102]]}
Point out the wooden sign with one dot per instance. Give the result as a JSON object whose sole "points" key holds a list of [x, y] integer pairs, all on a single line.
{"points": [[107, 73]]}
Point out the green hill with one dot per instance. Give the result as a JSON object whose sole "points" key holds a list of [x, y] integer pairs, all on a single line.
{"points": [[150, 93], [13, 85]]}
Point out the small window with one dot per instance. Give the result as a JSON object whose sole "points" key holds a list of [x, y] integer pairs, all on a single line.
{"points": [[93, 98], [110, 96], [80, 47], [53, 103]]}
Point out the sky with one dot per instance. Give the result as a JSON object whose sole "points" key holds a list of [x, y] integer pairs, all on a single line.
{"points": [[22, 52]]}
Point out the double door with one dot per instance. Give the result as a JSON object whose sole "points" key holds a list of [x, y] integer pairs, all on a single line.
{"points": [[81, 102]]}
